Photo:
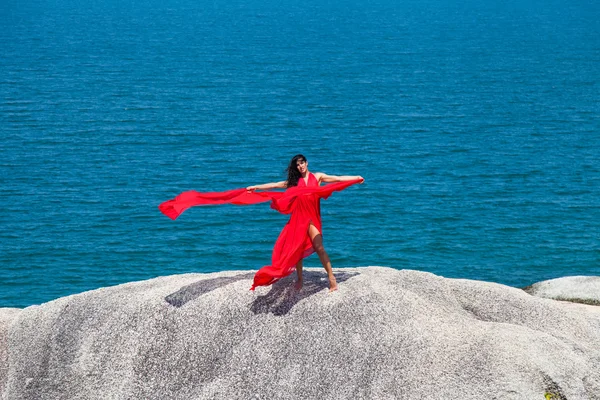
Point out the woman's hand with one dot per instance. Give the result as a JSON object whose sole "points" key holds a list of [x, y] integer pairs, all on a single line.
{"points": [[361, 178], [251, 188]]}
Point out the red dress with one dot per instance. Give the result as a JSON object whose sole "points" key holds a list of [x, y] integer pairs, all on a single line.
{"points": [[293, 244]]}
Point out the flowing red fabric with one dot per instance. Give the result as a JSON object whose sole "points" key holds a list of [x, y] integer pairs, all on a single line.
{"points": [[293, 243]]}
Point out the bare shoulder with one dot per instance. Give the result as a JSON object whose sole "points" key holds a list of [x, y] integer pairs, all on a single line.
{"points": [[320, 176]]}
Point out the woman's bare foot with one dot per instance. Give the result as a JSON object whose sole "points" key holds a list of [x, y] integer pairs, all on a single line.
{"points": [[332, 284], [298, 285]]}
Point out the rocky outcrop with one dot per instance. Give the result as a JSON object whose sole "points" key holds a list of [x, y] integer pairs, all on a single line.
{"points": [[7, 315], [577, 289], [384, 334]]}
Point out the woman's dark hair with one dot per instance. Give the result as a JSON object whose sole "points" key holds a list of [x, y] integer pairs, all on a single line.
{"points": [[292, 170]]}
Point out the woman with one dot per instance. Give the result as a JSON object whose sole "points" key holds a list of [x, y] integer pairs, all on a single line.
{"points": [[305, 221]]}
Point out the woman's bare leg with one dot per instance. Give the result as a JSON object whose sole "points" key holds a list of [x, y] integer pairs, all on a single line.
{"points": [[317, 241], [299, 272]]}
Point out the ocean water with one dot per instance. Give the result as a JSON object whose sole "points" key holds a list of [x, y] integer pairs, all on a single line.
{"points": [[475, 124]]}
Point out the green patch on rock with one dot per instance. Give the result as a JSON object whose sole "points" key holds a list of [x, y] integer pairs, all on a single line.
{"points": [[553, 391]]}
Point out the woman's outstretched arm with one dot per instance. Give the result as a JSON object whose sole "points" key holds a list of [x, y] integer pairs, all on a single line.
{"points": [[332, 178], [266, 186]]}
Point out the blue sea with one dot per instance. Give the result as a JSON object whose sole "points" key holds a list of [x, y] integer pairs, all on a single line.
{"points": [[474, 123]]}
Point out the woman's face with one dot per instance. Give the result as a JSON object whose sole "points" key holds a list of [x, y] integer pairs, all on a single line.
{"points": [[302, 166]]}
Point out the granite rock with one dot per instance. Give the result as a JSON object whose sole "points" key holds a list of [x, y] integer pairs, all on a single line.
{"points": [[385, 334], [580, 289]]}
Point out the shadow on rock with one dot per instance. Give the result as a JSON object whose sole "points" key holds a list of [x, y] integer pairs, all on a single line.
{"points": [[197, 289], [283, 295]]}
